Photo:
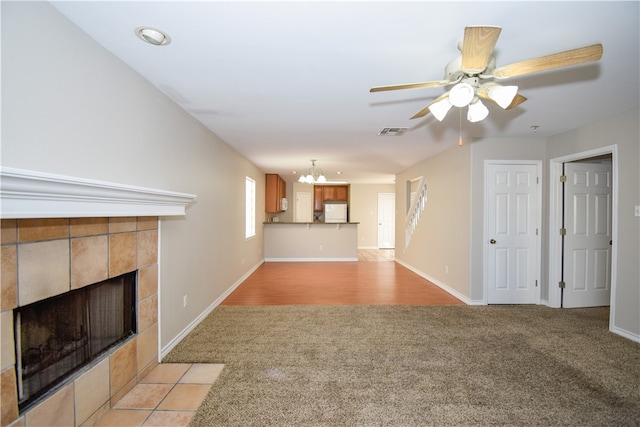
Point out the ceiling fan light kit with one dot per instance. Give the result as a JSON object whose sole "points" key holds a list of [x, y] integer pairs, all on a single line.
{"points": [[476, 64]]}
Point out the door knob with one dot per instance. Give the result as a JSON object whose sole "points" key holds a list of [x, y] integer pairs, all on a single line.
{"points": [[492, 241]]}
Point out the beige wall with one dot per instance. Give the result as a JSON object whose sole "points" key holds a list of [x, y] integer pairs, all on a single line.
{"points": [[441, 242], [70, 107]]}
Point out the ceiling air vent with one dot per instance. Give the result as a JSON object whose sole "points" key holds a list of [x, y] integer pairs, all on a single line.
{"points": [[392, 131]]}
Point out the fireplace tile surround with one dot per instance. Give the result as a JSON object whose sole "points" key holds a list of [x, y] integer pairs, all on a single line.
{"points": [[76, 252]]}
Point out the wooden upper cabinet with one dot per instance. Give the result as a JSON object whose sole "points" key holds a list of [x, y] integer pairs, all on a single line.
{"points": [[275, 191], [329, 193]]}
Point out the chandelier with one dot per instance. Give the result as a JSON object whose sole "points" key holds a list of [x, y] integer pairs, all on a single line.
{"points": [[314, 175]]}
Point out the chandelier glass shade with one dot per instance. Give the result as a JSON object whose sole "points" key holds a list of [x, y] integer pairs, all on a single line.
{"points": [[313, 175]]}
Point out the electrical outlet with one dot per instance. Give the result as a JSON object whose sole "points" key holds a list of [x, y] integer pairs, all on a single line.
{"points": [[637, 210], [184, 301], [320, 247], [446, 269]]}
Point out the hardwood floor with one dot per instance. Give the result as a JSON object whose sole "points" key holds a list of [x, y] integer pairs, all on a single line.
{"points": [[376, 281]]}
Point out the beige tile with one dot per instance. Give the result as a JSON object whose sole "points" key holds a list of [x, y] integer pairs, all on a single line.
{"points": [[185, 397], [147, 312], [147, 248], [123, 391], [9, 277], [146, 369], [169, 418], [122, 224], [91, 391], [122, 366], [89, 260], [147, 223], [43, 270], [147, 346], [147, 281], [202, 373], [168, 373], [18, 422], [96, 415], [9, 231], [144, 396], [122, 253], [9, 396], [7, 354], [123, 418], [30, 230], [55, 411], [81, 227]]}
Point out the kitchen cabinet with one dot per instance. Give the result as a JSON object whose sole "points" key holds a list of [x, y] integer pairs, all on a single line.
{"points": [[329, 193], [275, 191]]}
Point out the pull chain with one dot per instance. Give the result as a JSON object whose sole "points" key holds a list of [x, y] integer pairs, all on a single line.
{"points": [[460, 134]]}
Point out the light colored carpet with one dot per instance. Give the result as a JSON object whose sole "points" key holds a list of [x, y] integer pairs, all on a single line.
{"points": [[414, 366]]}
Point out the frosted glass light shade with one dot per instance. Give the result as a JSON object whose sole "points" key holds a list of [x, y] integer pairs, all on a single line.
{"points": [[477, 111], [440, 109], [502, 95], [461, 95]]}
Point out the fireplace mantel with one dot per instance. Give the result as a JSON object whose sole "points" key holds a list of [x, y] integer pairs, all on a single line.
{"points": [[30, 194]]}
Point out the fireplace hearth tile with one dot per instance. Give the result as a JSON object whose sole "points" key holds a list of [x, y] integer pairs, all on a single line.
{"points": [[185, 397], [9, 396], [89, 261], [83, 227], [43, 270], [7, 355], [122, 366], [122, 253], [55, 411], [91, 391], [166, 373], [9, 278], [147, 248], [144, 396], [9, 229], [31, 230], [123, 418], [148, 312], [122, 224], [147, 346], [147, 281], [147, 223]]}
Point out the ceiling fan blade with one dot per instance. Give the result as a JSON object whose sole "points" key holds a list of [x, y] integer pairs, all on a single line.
{"points": [[425, 110], [550, 62], [519, 99], [477, 47], [436, 83]]}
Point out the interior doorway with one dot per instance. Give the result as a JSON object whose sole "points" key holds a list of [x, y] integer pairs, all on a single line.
{"points": [[556, 211], [386, 220]]}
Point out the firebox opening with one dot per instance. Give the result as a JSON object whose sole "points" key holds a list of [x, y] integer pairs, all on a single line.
{"points": [[58, 336]]}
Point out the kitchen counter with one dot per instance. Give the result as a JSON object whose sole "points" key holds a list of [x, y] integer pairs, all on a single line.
{"points": [[310, 241]]}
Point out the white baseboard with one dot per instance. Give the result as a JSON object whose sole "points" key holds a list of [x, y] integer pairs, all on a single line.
{"points": [[626, 334], [191, 326], [442, 286], [311, 259]]}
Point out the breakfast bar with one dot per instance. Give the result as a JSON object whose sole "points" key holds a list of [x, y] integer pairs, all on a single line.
{"points": [[310, 241]]}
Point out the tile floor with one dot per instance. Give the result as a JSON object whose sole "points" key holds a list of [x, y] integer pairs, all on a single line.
{"points": [[168, 396], [376, 254]]}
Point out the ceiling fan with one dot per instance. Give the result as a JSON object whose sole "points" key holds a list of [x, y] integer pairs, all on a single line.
{"points": [[473, 72]]}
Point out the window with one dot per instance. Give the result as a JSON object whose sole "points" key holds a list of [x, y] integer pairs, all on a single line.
{"points": [[250, 206]]}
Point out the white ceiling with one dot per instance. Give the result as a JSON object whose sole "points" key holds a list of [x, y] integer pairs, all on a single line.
{"points": [[286, 82]]}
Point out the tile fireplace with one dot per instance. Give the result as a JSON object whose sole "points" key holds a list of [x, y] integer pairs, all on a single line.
{"points": [[60, 235]]}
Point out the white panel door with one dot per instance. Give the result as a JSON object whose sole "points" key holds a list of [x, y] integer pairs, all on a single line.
{"points": [[386, 220], [512, 246], [587, 248], [304, 207]]}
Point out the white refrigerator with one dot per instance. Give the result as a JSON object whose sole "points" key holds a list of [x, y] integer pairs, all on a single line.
{"points": [[335, 212]]}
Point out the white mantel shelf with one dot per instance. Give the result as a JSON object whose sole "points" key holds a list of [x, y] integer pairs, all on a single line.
{"points": [[30, 194]]}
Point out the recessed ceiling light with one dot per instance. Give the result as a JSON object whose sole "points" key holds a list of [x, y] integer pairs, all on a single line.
{"points": [[153, 36]]}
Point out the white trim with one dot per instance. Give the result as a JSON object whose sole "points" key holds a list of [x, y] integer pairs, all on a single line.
{"points": [[30, 194], [485, 237], [441, 285], [555, 195], [191, 326], [348, 259]]}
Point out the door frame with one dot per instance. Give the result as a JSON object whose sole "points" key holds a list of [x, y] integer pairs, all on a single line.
{"points": [[486, 237], [555, 222]]}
